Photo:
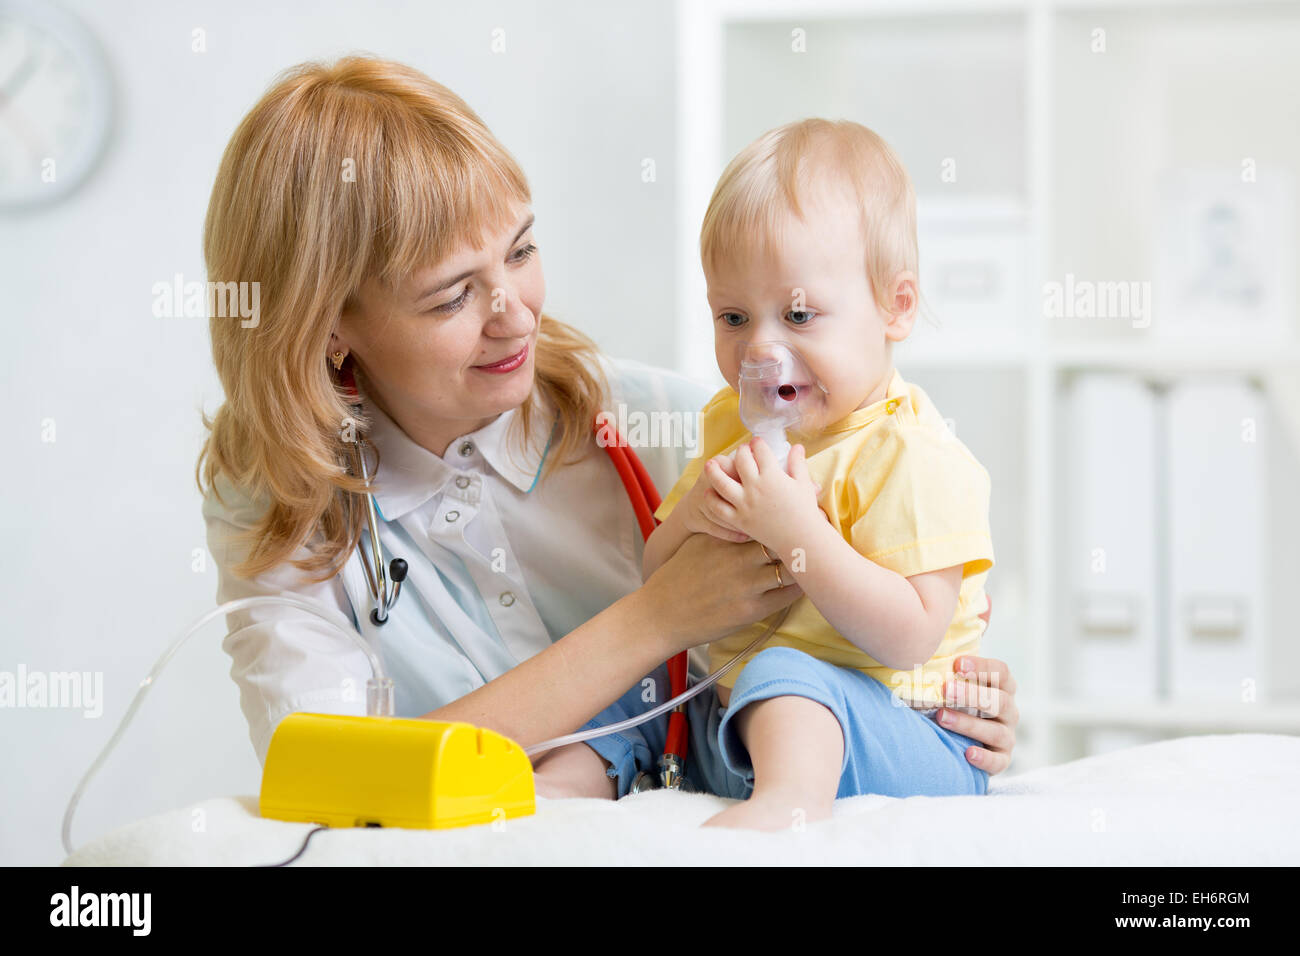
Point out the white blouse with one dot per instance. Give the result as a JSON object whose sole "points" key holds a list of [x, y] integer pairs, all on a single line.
{"points": [[500, 563]]}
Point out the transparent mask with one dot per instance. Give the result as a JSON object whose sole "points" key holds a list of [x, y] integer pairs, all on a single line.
{"points": [[778, 393]]}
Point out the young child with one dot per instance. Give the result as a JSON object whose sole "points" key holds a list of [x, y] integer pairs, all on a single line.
{"points": [[881, 516]]}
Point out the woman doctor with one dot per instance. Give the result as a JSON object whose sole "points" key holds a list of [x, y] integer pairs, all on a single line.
{"points": [[392, 235]]}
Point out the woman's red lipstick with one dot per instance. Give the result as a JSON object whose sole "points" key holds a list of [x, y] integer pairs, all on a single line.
{"points": [[506, 364]]}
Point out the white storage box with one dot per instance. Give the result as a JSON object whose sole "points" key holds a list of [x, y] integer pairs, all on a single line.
{"points": [[1216, 447], [1110, 561]]}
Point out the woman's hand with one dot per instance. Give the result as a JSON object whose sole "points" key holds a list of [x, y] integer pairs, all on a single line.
{"points": [[984, 683], [704, 511], [710, 588]]}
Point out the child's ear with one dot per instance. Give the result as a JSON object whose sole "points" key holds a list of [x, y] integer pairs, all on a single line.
{"points": [[904, 301]]}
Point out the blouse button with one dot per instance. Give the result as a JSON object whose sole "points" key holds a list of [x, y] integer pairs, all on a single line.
{"points": [[462, 481], [453, 515], [466, 449], [507, 599], [891, 405]]}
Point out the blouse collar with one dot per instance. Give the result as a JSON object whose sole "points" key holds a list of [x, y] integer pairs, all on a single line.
{"points": [[409, 474]]}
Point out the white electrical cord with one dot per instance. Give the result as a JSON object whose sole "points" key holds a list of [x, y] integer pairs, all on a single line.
{"points": [[379, 689], [622, 725]]}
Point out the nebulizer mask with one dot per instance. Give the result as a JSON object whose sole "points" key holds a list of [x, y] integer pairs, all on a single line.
{"points": [[778, 393]]}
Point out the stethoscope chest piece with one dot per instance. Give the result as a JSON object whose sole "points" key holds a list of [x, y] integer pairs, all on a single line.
{"points": [[670, 777], [643, 782]]}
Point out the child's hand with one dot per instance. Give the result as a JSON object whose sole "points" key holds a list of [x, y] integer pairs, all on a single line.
{"points": [[704, 511], [770, 505]]}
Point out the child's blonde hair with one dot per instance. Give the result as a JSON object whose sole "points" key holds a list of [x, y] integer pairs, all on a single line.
{"points": [[765, 179]]}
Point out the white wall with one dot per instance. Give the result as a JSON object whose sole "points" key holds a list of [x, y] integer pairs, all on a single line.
{"points": [[102, 523]]}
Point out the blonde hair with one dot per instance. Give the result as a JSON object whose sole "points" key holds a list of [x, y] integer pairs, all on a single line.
{"points": [[766, 178], [427, 175]]}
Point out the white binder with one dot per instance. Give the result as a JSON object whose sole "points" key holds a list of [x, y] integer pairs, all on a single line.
{"points": [[1110, 501], [1216, 438]]}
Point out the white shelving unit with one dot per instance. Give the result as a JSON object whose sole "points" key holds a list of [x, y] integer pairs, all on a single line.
{"points": [[738, 77]]}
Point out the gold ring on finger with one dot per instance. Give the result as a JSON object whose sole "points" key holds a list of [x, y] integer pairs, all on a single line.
{"points": [[780, 582], [766, 553]]}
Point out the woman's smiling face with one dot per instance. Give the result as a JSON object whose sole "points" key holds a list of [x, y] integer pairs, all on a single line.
{"points": [[451, 347], [813, 294]]}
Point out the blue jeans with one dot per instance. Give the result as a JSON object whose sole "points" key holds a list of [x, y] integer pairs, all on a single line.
{"points": [[889, 749]]}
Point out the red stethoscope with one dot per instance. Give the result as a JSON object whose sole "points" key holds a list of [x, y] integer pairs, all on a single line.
{"points": [[645, 501]]}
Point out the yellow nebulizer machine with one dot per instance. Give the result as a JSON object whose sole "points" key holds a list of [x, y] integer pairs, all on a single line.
{"points": [[341, 770], [349, 771]]}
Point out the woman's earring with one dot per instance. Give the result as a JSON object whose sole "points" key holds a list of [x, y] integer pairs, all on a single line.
{"points": [[337, 359]]}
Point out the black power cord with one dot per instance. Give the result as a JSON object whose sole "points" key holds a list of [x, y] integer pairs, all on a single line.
{"points": [[301, 849]]}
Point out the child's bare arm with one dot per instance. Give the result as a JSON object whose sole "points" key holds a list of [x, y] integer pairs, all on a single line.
{"points": [[663, 543]]}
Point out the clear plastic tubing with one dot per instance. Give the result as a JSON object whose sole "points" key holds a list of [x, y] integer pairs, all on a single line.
{"points": [[663, 708]]}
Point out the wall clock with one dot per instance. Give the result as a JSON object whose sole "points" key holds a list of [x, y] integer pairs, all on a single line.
{"points": [[55, 103]]}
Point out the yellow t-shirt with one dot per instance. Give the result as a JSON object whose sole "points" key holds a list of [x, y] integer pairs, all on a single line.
{"points": [[906, 494]]}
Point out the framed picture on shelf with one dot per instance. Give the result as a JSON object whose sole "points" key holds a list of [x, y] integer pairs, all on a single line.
{"points": [[1225, 262]]}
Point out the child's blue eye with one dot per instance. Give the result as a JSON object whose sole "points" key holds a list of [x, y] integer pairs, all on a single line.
{"points": [[728, 316], [799, 318]]}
